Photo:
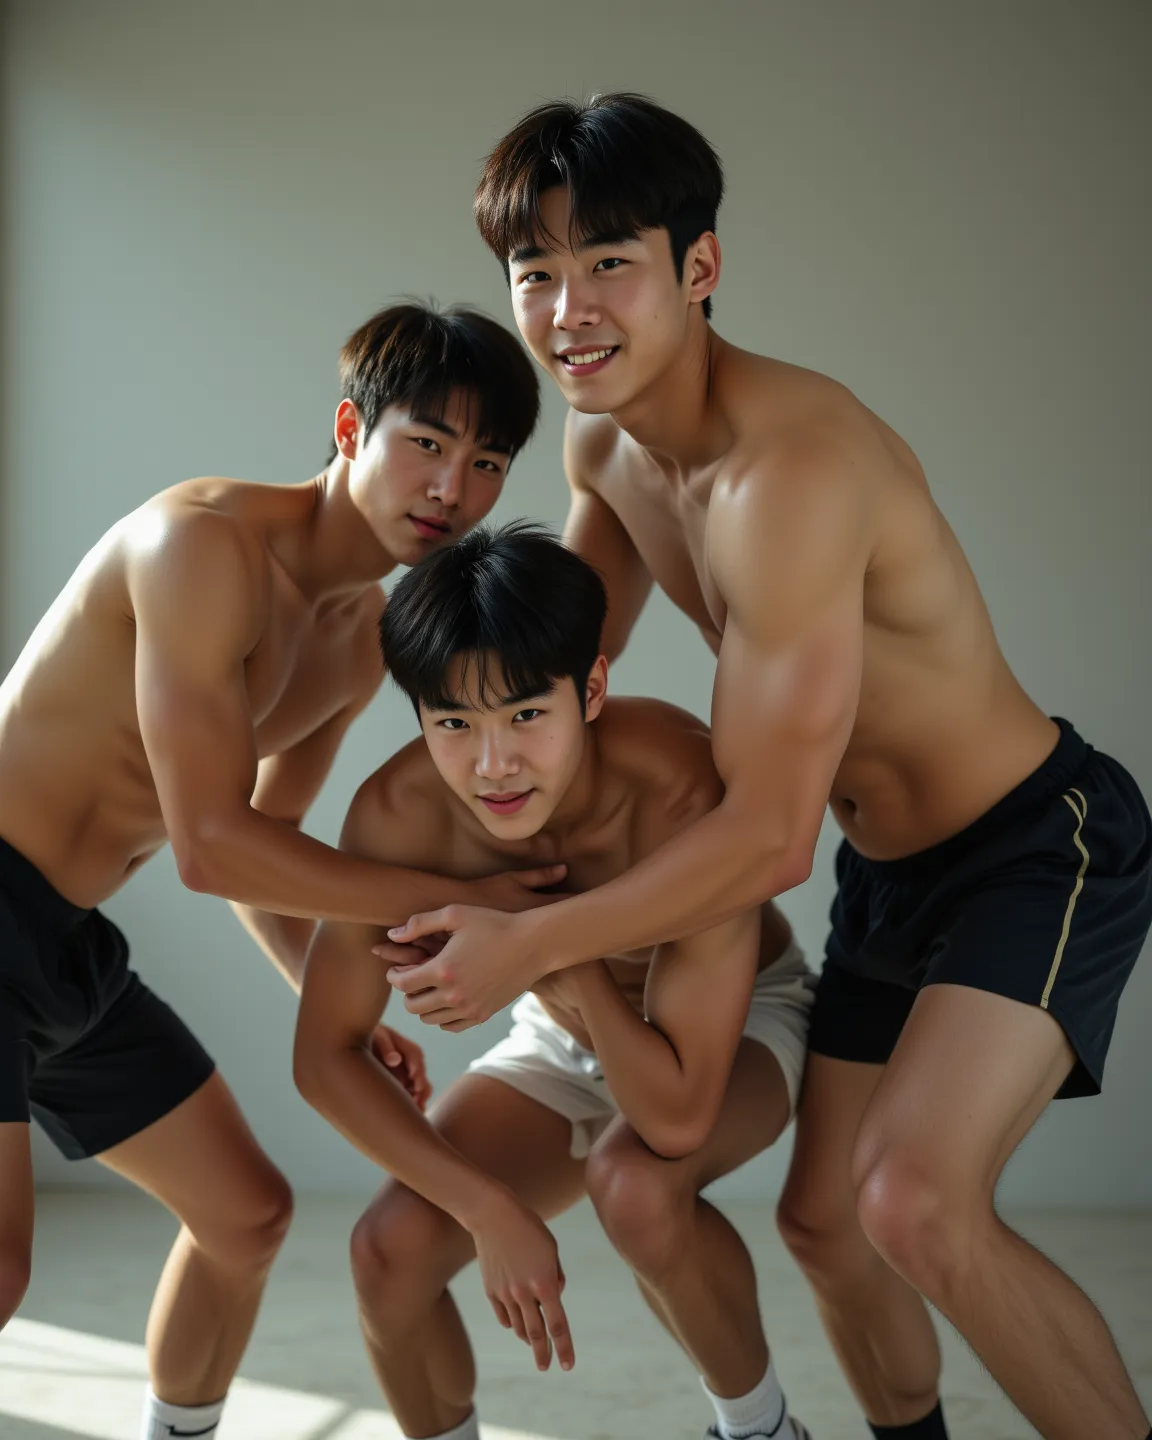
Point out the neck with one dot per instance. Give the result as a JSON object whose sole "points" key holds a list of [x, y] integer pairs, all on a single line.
{"points": [[334, 551], [676, 419]]}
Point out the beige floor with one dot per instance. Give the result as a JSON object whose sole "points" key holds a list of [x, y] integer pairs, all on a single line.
{"points": [[71, 1364]]}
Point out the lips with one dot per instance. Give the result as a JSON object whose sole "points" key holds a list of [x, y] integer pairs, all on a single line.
{"points": [[429, 528], [507, 804], [579, 364]]}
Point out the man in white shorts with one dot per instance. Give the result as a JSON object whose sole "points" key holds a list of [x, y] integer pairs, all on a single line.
{"points": [[637, 1079]]}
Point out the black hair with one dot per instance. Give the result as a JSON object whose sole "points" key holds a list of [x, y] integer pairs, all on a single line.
{"points": [[521, 607], [413, 354], [628, 165]]}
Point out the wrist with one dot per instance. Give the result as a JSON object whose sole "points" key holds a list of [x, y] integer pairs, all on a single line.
{"points": [[483, 1202], [546, 936]]}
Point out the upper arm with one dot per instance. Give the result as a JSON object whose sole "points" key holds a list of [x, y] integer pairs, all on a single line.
{"points": [[789, 557], [697, 995], [197, 596], [596, 533], [345, 988]]}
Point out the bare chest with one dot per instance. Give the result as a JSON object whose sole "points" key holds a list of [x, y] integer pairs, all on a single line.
{"points": [[304, 669]]}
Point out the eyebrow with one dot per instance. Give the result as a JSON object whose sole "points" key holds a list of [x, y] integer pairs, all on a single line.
{"points": [[455, 707], [593, 242]]}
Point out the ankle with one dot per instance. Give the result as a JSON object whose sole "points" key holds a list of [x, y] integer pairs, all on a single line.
{"points": [[928, 1427]]}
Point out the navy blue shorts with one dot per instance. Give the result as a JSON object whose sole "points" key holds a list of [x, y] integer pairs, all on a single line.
{"points": [[1046, 899], [85, 1047]]}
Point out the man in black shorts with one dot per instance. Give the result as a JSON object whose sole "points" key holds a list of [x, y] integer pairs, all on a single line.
{"points": [[192, 683], [857, 668]]}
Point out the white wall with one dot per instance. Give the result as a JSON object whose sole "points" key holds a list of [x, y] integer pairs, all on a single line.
{"points": [[944, 206]]}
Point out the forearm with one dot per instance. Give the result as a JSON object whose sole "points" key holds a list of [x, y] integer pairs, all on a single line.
{"points": [[353, 1092], [718, 867], [641, 1066], [265, 864], [283, 938]]}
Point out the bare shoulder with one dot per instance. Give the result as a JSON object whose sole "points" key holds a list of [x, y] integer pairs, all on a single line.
{"points": [[663, 755], [401, 815], [201, 522], [590, 444]]}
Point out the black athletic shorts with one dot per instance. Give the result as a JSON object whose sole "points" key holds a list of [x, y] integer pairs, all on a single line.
{"points": [[85, 1046], [1046, 899]]}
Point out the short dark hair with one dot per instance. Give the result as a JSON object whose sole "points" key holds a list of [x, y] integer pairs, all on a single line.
{"points": [[521, 606], [416, 355], [628, 164]]}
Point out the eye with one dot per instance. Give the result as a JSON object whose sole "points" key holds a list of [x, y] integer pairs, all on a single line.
{"points": [[529, 714], [609, 264], [427, 443], [453, 722], [533, 277], [490, 466]]}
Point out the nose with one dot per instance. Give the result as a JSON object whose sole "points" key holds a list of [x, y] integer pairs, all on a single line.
{"points": [[447, 485], [574, 306], [496, 758]]}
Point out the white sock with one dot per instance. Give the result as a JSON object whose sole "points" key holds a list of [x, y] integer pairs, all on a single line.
{"points": [[468, 1429], [762, 1412], [169, 1422]]}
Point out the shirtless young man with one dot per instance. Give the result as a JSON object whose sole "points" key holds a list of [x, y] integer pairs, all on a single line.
{"points": [[192, 683], [996, 877], [690, 1051]]}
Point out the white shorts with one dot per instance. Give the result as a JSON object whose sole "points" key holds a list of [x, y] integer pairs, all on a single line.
{"points": [[543, 1061]]}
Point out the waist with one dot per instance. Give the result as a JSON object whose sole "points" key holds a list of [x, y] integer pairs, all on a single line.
{"points": [[1063, 763], [27, 888]]}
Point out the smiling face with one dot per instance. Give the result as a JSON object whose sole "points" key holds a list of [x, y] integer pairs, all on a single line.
{"points": [[419, 481], [606, 317], [512, 762]]}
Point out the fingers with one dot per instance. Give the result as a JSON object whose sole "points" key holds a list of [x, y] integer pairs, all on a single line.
{"points": [[532, 1330], [543, 876], [557, 1323], [409, 979], [425, 924]]}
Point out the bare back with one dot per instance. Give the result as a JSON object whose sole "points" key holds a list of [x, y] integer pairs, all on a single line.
{"points": [[942, 728], [77, 792]]}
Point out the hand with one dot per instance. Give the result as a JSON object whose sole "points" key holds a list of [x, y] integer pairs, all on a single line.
{"points": [[404, 1061], [517, 890], [482, 968], [523, 1279]]}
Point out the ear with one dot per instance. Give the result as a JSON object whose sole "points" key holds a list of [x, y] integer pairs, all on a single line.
{"points": [[596, 691], [347, 429], [702, 267]]}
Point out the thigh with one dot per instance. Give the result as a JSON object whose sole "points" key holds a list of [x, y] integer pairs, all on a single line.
{"points": [[754, 1112], [202, 1161], [137, 1064], [16, 1199], [515, 1139], [971, 1074]]}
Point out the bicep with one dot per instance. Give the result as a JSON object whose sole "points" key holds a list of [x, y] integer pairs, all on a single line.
{"points": [[196, 610], [287, 784]]}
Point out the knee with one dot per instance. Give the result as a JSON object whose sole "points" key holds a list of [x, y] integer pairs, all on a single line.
{"points": [[249, 1232], [639, 1203], [15, 1272], [397, 1251], [823, 1236], [927, 1226]]}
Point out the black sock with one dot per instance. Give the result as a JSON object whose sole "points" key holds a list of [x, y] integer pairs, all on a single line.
{"points": [[930, 1428]]}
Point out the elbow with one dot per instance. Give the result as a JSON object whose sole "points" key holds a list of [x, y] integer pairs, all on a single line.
{"points": [[201, 852], [675, 1138], [309, 1073], [795, 869]]}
